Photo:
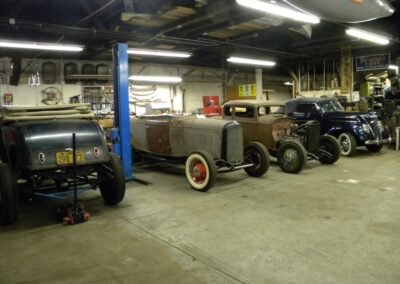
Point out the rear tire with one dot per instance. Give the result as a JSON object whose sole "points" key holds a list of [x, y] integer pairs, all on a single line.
{"points": [[200, 170], [291, 157], [112, 188], [348, 144], [374, 148], [331, 145], [8, 197], [256, 153]]}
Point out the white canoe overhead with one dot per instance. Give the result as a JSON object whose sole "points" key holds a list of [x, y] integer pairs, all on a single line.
{"points": [[346, 11]]}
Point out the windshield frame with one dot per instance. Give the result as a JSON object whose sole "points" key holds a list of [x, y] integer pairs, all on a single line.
{"points": [[330, 106]]}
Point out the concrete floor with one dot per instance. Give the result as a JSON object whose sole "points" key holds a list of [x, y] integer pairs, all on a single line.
{"points": [[329, 224]]}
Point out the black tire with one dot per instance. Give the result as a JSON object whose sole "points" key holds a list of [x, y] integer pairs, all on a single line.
{"points": [[112, 187], [8, 197], [200, 170], [256, 153], [330, 144], [291, 157], [374, 148], [348, 144]]}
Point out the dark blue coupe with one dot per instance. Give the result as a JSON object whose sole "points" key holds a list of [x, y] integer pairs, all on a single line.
{"points": [[351, 128]]}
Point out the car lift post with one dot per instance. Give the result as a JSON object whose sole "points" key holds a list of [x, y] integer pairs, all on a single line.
{"points": [[121, 131]]}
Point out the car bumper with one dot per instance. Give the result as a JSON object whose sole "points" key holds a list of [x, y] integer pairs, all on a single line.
{"points": [[379, 141]]}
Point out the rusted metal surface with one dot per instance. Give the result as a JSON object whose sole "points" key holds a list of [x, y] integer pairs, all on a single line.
{"points": [[179, 135], [267, 128], [158, 137], [279, 128]]}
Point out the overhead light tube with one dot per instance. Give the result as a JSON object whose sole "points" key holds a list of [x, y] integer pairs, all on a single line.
{"points": [[367, 36], [249, 61], [156, 79], [279, 11], [40, 46], [394, 67], [154, 52]]}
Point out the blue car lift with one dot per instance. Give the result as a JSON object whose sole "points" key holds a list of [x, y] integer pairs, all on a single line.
{"points": [[121, 131]]}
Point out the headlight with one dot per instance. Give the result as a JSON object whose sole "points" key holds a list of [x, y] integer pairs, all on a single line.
{"points": [[366, 128]]}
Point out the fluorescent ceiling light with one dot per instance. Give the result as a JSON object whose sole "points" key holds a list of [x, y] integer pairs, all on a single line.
{"points": [[288, 83], [162, 53], [40, 46], [156, 79], [368, 36], [394, 67], [250, 61], [279, 11]]}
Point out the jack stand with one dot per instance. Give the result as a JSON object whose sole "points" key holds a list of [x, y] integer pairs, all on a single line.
{"points": [[73, 213]]}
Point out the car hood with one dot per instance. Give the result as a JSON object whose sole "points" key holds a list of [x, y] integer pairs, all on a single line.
{"points": [[348, 115]]}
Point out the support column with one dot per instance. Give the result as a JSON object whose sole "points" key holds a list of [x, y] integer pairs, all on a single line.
{"points": [[259, 84], [121, 130]]}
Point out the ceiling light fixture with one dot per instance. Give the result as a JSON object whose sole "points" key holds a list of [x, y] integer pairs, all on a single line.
{"points": [[162, 53], [250, 61], [394, 67], [288, 83], [279, 11], [155, 79], [40, 46], [367, 36]]}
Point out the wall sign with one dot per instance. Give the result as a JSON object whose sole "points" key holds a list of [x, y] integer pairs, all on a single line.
{"points": [[248, 90], [372, 62]]}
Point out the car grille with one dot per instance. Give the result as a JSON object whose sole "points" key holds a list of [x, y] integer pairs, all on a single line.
{"points": [[313, 137], [234, 143], [372, 121]]}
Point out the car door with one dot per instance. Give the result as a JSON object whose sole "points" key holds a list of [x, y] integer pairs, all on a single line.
{"points": [[246, 116]]}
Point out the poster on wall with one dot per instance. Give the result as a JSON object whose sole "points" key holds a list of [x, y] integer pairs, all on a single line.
{"points": [[248, 90], [373, 62], [211, 105]]}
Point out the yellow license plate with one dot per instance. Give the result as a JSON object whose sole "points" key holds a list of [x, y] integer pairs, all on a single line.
{"points": [[66, 158]]}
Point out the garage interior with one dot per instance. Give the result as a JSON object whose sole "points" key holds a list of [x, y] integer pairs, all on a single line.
{"points": [[334, 223]]}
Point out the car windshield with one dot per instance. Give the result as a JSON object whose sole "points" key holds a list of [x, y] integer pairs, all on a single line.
{"points": [[277, 109], [330, 106]]}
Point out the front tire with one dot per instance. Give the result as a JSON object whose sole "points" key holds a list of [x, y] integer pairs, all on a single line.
{"points": [[112, 188], [8, 197], [348, 144], [331, 145], [256, 153], [374, 148], [291, 157], [200, 170]]}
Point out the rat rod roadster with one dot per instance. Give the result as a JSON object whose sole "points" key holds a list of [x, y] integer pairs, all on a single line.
{"points": [[267, 123], [36, 151], [206, 146]]}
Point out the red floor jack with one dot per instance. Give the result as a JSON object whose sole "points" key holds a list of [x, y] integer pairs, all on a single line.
{"points": [[73, 213]]}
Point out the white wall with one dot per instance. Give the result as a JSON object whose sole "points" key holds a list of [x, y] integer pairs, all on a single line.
{"points": [[27, 95], [197, 82]]}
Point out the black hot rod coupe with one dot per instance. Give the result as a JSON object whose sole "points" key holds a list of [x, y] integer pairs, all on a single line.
{"points": [[36, 151]]}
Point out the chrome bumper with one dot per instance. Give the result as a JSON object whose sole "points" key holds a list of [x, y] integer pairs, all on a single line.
{"points": [[379, 141]]}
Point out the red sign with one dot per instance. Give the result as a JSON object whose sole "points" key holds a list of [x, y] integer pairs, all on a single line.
{"points": [[211, 105]]}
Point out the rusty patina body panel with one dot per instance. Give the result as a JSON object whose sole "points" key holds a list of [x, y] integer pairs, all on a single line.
{"points": [[264, 123], [179, 135]]}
